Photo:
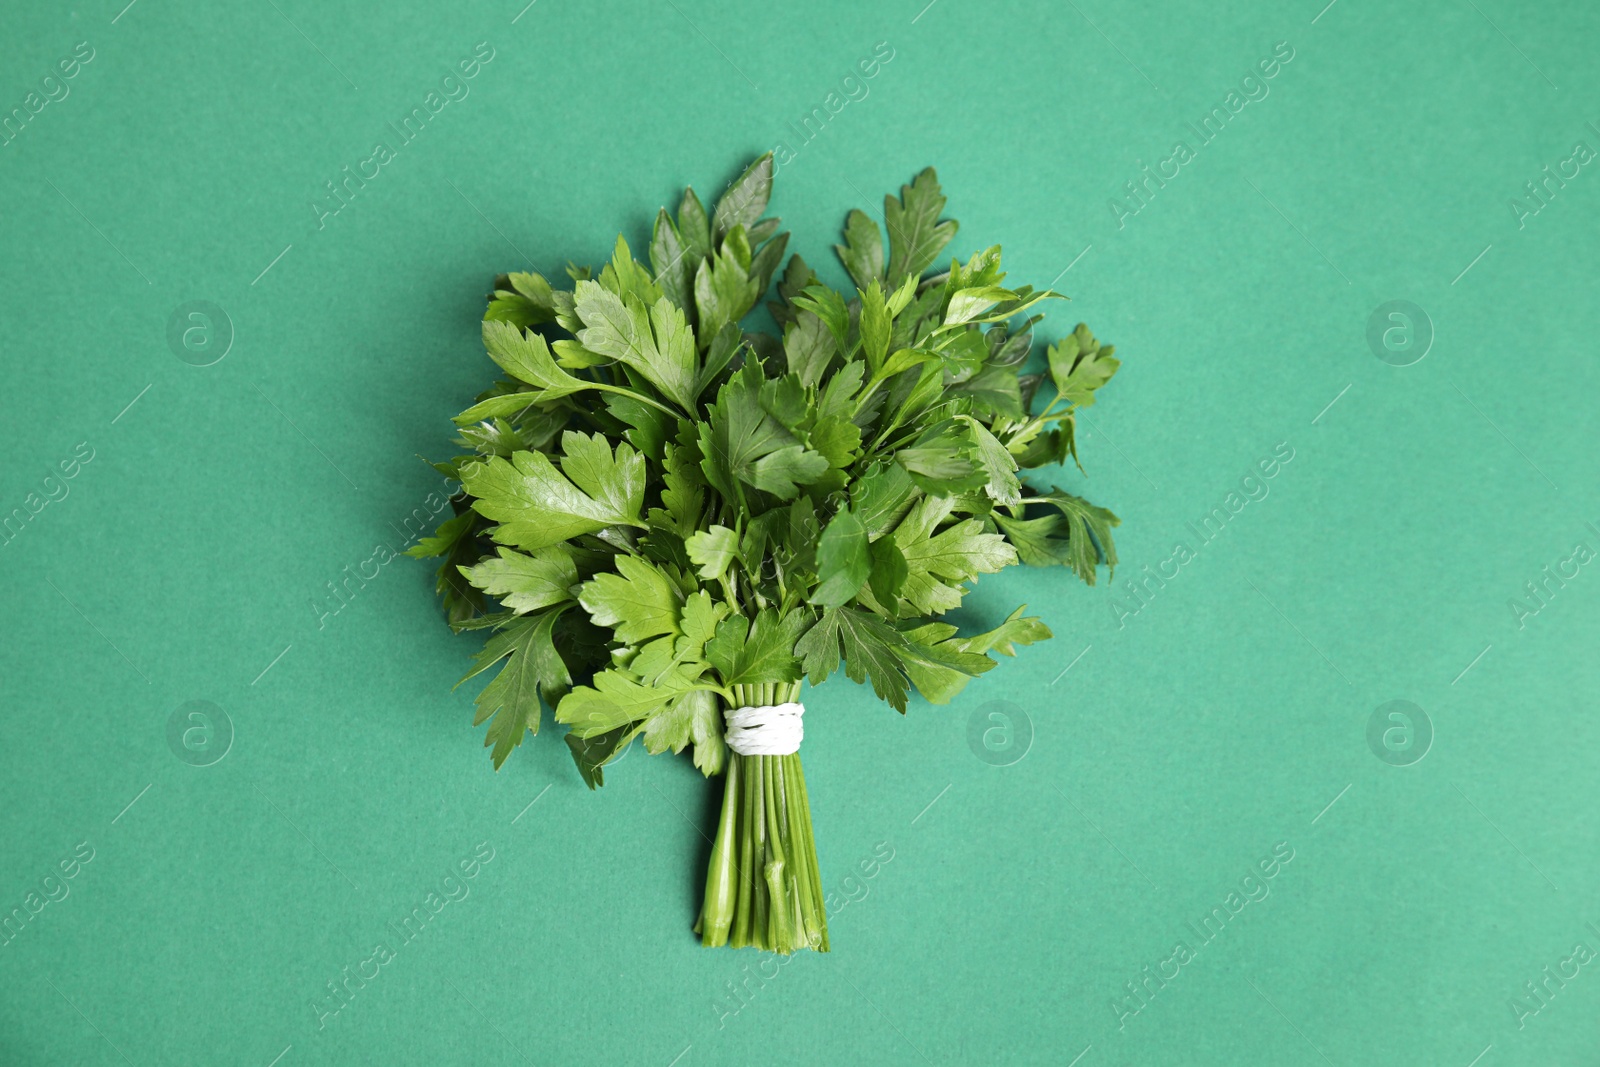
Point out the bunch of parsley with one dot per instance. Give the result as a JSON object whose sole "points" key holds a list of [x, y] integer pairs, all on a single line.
{"points": [[664, 515]]}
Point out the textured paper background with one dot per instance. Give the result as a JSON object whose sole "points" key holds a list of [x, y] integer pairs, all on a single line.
{"points": [[1229, 716]]}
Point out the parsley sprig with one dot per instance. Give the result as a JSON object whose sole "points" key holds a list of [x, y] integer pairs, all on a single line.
{"points": [[663, 514]]}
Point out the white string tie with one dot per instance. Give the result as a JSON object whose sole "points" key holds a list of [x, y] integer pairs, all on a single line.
{"points": [[771, 730]]}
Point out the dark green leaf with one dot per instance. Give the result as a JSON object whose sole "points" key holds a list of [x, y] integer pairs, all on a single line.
{"points": [[889, 572], [523, 300], [862, 251], [916, 236], [871, 650], [746, 199], [669, 257], [843, 562], [808, 346], [881, 498], [591, 754], [694, 230], [746, 654], [533, 668]]}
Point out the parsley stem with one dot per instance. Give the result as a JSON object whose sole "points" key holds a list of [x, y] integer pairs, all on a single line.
{"points": [[640, 397], [763, 887], [717, 916]]}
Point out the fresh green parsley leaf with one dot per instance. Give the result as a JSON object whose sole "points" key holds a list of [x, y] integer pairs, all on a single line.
{"points": [[875, 325], [754, 654], [693, 718], [916, 236], [1085, 528], [536, 506], [1079, 366], [862, 251], [527, 582], [724, 291], [871, 650], [524, 300], [712, 551], [533, 669], [456, 541], [889, 572], [998, 464], [843, 561], [1016, 630], [881, 497], [746, 199], [938, 564], [743, 443], [526, 357], [615, 699], [639, 601], [654, 341], [808, 346]]}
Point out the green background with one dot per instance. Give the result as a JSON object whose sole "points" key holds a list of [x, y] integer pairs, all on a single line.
{"points": [[1228, 716]]}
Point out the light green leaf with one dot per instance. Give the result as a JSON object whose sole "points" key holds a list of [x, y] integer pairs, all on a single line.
{"points": [[536, 506], [712, 551], [526, 357], [1014, 631], [904, 359], [939, 670], [683, 491], [968, 305], [843, 561], [938, 564], [506, 405], [627, 277], [699, 622], [616, 699], [1040, 541], [1079, 366], [783, 470], [836, 439], [654, 341], [529, 301], [449, 533], [745, 654], [526, 583], [694, 718], [901, 298], [875, 325], [830, 307], [639, 601], [998, 464], [572, 355]]}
